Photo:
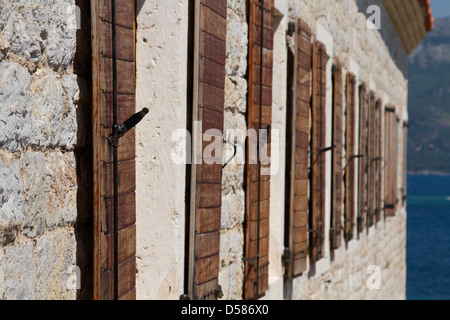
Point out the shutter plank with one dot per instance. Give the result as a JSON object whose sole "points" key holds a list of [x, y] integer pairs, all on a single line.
{"points": [[317, 157], [350, 191], [101, 28], [371, 160], [258, 186], [337, 179], [363, 162], [206, 196]]}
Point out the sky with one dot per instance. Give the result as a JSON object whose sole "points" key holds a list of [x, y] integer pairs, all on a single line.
{"points": [[440, 8]]}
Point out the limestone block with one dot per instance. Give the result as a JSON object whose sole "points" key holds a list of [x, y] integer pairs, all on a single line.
{"points": [[237, 38], [71, 90], [61, 182], [2, 273], [39, 30], [50, 192], [236, 99], [35, 194], [19, 272], [11, 198], [56, 261], [15, 107], [48, 108]]}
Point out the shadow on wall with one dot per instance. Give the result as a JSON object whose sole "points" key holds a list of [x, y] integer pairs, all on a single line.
{"points": [[139, 5], [83, 155]]}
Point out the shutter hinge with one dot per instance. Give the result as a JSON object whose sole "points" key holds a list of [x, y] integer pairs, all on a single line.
{"points": [[251, 262], [130, 123], [389, 206], [285, 258], [291, 28], [323, 150], [388, 109], [320, 151], [184, 296]]}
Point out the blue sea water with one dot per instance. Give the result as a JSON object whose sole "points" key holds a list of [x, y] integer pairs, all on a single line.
{"points": [[428, 238]]}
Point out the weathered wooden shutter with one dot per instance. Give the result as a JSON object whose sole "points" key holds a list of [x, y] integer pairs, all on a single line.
{"points": [[300, 140], [261, 33], [372, 153], [206, 178], [350, 169], [363, 160], [102, 54], [405, 163], [378, 164], [318, 149], [391, 162], [337, 167]]}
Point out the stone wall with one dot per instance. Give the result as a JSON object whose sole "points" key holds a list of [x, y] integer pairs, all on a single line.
{"points": [[231, 274], [347, 273], [344, 274], [39, 94]]}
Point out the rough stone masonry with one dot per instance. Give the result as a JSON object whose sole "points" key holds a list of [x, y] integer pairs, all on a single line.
{"points": [[38, 134]]}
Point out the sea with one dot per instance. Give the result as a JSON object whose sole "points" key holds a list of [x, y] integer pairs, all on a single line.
{"points": [[428, 238]]}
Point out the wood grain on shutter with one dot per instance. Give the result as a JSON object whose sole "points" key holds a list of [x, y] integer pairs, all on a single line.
{"points": [[378, 164], [363, 160], [337, 167], [350, 169], [206, 192], [405, 163], [317, 215], [103, 172], [391, 162], [261, 33], [372, 152], [300, 141]]}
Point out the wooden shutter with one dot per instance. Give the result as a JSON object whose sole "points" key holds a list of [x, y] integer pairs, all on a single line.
{"points": [[337, 167], [405, 163], [300, 139], [318, 148], [102, 54], [378, 164], [350, 169], [363, 160], [372, 152], [391, 162], [206, 178], [261, 33]]}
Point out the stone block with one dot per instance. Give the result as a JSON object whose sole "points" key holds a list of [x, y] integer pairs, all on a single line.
{"points": [[48, 109], [39, 31], [35, 193], [68, 134], [11, 197], [56, 261], [19, 272], [15, 106]]}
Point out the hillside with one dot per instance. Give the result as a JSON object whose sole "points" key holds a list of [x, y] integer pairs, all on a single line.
{"points": [[429, 102]]}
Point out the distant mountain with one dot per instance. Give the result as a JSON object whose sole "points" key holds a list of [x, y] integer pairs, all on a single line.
{"points": [[429, 102]]}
